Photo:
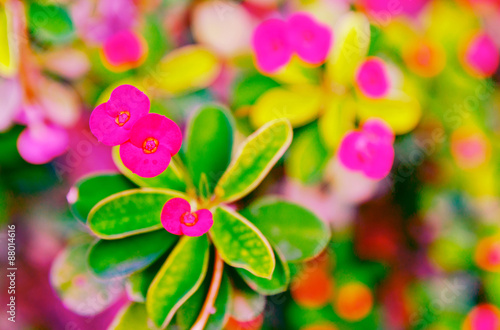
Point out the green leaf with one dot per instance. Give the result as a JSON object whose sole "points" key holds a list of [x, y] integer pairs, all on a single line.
{"points": [[209, 144], [121, 257], [50, 23], [190, 310], [256, 157], [241, 244], [307, 156], [178, 279], [171, 178], [276, 284], [87, 192], [131, 316], [138, 284], [295, 231], [76, 286], [249, 89], [129, 213]]}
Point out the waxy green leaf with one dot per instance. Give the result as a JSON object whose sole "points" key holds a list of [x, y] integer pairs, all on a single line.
{"points": [[129, 213], [178, 279], [121, 257], [87, 192], [171, 178], [258, 154], [131, 316], [297, 232], [276, 284], [50, 23], [209, 145], [241, 244]]}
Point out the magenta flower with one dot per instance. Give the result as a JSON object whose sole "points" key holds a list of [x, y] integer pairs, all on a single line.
{"points": [[271, 45], [177, 218], [154, 139], [123, 51], [482, 55], [40, 143], [112, 121], [310, 40], [372, 78], [369, 150]]}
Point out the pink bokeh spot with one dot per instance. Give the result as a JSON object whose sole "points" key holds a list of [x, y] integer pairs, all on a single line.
{"points": [[372, 78], [310, 40], [154, 139], [41, 143], [123, 50], [271, 45], [485, 317], [482, 55], [177, 218], [112, 121], [369, 150]]}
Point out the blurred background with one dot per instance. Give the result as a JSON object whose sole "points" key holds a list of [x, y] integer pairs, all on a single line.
{"points": [[418, 249]]}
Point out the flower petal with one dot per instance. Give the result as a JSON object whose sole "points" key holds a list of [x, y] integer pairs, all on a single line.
{"points": [[171, 214], [348, 151], [159, 127], [380, 165], [310, 40], [105, 129], [377, 130], [271, 45], [205, 222], [128, 98], [372, 78], [143, 164]]}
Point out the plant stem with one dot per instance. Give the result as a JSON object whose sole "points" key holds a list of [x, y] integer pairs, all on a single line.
{"points": [[208, 306]]}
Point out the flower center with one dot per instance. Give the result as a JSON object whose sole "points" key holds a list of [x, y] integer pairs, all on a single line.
{"points": [[189, 219], [122, 118], [150, 145]]}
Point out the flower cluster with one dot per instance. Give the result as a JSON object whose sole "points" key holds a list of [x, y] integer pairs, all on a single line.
{"points": [[147, 140], [275, 41], [369, 150]]}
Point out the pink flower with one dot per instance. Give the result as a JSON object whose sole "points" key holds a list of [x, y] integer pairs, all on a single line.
{"points": [[310, 40], [271, 45], [112, 121], [40, 143], [369, 150], [482, 55], [177, 218], [372, 78], [123, 51], [154, 139]]}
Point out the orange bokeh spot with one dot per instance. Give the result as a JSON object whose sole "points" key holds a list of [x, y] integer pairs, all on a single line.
{"points": [[424, 57], [487, 255], [482, 317], [323, 326], [354, 301], [312, 288]]}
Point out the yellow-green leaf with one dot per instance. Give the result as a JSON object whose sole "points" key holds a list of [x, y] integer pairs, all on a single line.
{"points": [[338, 118], [129, 212], [240, 244], [178, 279], [131, 316], [8, 51], [187, 68], [352, 35], [299, 104], [255, 158]]}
